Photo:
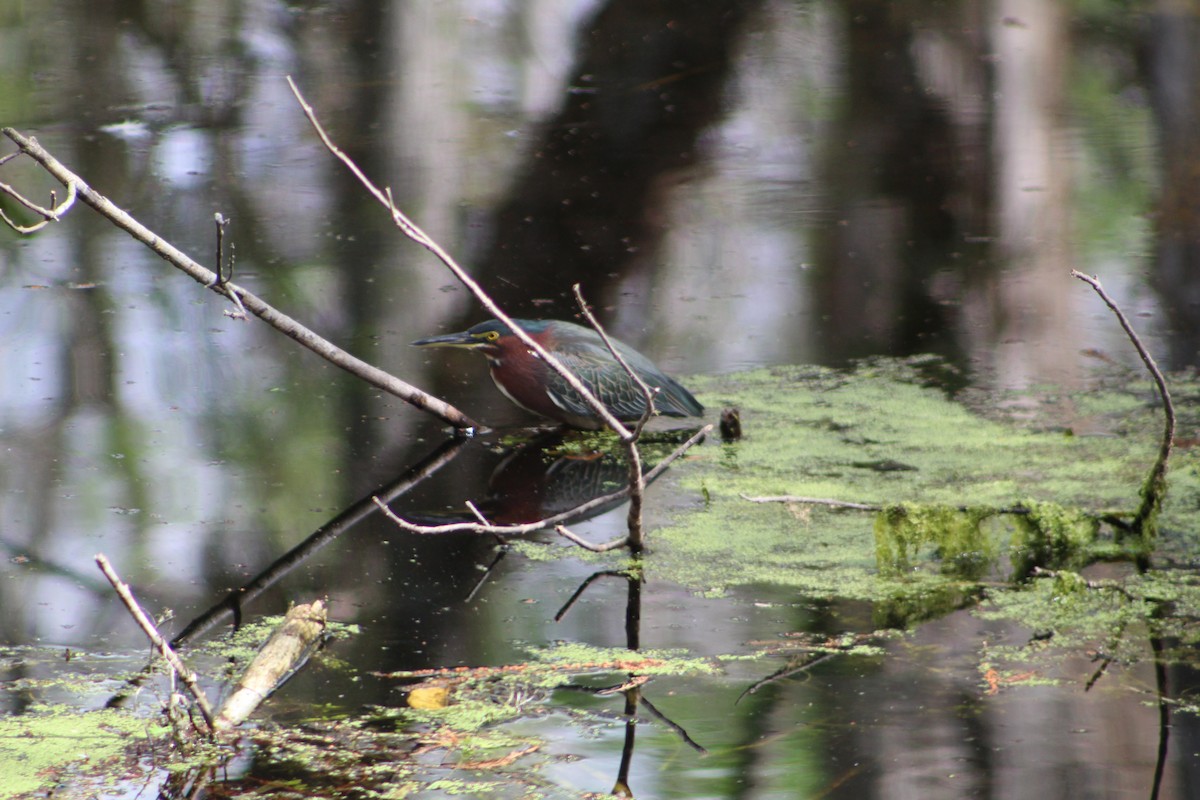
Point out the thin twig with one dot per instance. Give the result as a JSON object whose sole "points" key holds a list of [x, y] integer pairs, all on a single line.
{"points": [[612, 544], [1152, 491], [221, 222], [223, 278], [633, 457], [530, 527], [479, 516], [414, 232], [276, 319], [53, 214], [647, 392], [186, 675], [475, 512]]}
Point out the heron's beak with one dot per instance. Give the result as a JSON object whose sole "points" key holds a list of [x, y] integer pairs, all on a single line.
{"points": [[461, 339]]}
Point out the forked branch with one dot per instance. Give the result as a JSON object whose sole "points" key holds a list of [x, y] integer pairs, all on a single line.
{"points": [[48, 215]]}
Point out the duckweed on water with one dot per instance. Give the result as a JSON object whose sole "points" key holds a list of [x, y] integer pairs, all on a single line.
{"points": [[37, 748], [817, 433], [1113, 618]]}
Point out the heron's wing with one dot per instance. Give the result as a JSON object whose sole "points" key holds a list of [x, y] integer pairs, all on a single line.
{"points": [[596, 367]]}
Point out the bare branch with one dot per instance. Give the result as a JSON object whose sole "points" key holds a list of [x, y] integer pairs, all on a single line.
{"points": [[221, 222], [477, 514], [222, 278], [516, 530], [48, 214], [612, 544], [414, 232], [1152, 491], [186, 675], [1147, 359], [244, 299], [647, 392]]}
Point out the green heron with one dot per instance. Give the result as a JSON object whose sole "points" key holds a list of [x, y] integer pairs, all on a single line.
{"points": [[526, 380]]}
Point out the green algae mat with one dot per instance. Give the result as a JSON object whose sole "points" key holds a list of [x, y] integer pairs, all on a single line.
{"points": [[953, 496]]}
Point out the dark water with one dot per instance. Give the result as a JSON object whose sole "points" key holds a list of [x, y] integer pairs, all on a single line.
{"points": [[733, 184]]}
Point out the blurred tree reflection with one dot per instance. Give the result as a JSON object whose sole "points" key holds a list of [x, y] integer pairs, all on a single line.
{"points": [[1172, 50], [648, 79], [907, 173]]}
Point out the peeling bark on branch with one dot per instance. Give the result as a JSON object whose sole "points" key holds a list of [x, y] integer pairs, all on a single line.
{"points": [[283, 653]]}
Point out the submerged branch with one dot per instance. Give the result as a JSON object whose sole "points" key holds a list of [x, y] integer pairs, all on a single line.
{"points": [[678, 729], [786, 672], [583, 587], [233, 603]]}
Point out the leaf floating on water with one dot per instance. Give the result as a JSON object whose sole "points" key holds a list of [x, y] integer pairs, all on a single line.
{"points": [[429, 697]]}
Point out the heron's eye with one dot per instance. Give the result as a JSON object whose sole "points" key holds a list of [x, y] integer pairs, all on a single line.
{"points": [[491, 336]]}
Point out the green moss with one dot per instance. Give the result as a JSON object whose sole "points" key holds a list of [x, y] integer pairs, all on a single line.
{"points": [[1052, 536], [470, 713], [819, 433], [1064, 613], [957, 537]]}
